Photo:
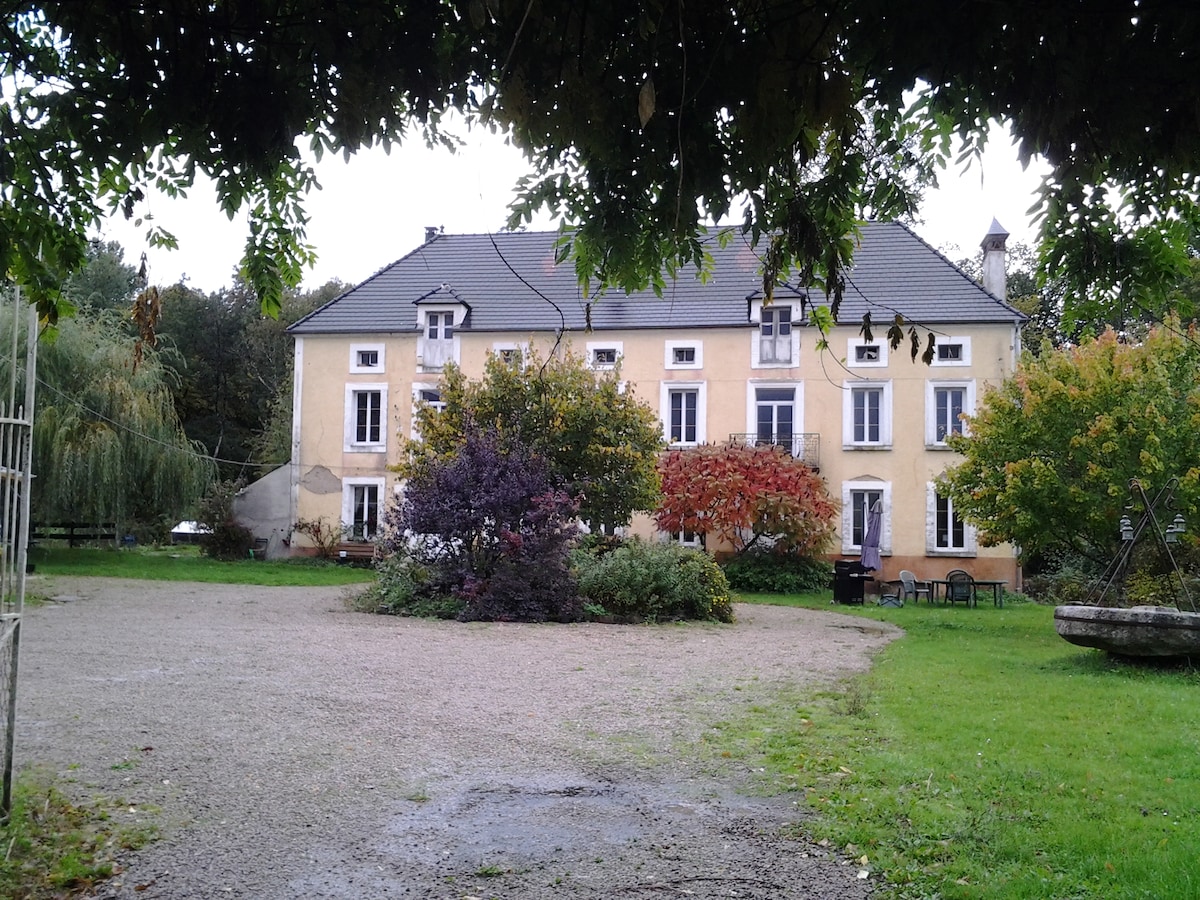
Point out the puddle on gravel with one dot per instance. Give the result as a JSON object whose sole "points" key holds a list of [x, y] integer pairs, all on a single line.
{"points": [[522, 822], [519, 823], [589, 839]]}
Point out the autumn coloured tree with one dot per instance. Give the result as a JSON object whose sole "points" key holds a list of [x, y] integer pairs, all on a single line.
{"points": [[748, 497], [1051, 450], [600, 441]]}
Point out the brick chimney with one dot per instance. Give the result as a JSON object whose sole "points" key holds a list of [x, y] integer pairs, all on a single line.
{"points": [[994, 280]]}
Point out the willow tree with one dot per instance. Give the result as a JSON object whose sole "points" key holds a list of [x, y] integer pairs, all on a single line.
{"points": [[108, 447]]}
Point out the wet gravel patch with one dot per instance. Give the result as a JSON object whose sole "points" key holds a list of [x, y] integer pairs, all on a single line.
{"points": [[288, 748]]}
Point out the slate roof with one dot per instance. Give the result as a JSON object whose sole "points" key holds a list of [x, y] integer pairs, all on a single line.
{"points": [[510, 282]]}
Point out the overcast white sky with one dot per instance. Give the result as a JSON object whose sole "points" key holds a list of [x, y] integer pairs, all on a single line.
{"points": [[374, 209]]}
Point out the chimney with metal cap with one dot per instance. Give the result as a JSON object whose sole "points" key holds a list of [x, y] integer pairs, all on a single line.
{"points": [[431, 231], [994, 278]]}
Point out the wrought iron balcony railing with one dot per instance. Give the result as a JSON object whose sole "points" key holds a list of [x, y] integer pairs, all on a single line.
{"points": [[806, 447]]}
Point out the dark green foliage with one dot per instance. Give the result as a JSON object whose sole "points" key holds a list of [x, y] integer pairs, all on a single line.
{"points": [[777, 573], [226, 540], [655, 582], [106, 282], [233, 370], [404, 587]]}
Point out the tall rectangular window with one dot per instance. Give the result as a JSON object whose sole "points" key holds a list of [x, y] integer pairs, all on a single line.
{"points": [[368, 417], [775, 335], [861, 502], [949, 404], [950, 533], [866, 403], [364, 522], [775, 410], [682, 417]]}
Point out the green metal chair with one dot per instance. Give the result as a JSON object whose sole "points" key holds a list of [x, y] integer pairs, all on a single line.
{"points": [[960, 587]]}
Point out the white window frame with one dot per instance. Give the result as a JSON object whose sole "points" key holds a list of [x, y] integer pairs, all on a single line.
{"points": [[850, 548], [885, 415], [931, 413], [797, 388], [618, 347], [664, 400], [351, 444], [457, 316], [348, 486], [756, 318], [852, 346], [963, 341], [669, 354], [417, 388], [499, 348], [970, 546], [681, 538], [356, 368]]}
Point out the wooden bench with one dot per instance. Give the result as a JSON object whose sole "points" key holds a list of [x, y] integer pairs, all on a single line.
{"points": [[355, 551]]}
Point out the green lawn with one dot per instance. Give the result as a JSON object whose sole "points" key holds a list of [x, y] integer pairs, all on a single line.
{"points": [[185, 564], [983, 756]]}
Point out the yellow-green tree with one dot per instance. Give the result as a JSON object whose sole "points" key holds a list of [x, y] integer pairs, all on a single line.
{"points": [[601, 442], [1050, 453]]}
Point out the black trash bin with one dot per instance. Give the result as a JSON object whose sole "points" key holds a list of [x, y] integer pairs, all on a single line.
{"points": [[849, 579]]}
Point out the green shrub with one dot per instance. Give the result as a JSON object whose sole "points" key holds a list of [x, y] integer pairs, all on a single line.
{"points": [[766, 572], [403, 587], [640, 580], [226, 540]]}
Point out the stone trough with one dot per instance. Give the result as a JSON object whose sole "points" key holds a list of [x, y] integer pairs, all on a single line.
{"points": [[1161, 632]]}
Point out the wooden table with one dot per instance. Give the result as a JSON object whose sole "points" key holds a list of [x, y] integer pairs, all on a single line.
{"points": [[977, 583]]}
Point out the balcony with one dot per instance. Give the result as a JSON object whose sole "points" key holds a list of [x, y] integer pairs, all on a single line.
{"points": [[806, 447]]}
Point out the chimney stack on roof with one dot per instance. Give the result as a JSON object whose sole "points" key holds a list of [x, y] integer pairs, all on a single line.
{"points": [[432, 231], [994, 254]]}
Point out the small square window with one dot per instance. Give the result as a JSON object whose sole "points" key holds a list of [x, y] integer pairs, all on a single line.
{"points": [[865, 353], [604, 356], [684, 356], [368, 359], [510, 356], [949, 352]]}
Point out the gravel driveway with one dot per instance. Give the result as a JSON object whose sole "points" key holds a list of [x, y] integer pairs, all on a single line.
{"points": [[287, 748]]}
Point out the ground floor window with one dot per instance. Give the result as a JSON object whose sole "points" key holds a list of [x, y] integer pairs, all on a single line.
{"points": [[360, 508], [946, 532]]}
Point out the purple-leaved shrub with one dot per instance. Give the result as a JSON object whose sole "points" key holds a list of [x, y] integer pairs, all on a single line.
{"points": [[492, 530]]}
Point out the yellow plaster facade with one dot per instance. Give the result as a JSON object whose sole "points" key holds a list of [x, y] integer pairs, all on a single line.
{"points": [[875, 420]]}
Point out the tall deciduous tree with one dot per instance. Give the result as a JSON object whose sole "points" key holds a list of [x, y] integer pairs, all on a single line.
{"points": [[105, 282], [1050, 451], [600, 441], [749, 497], [641, 118], [108, 447], [233, 369]]}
